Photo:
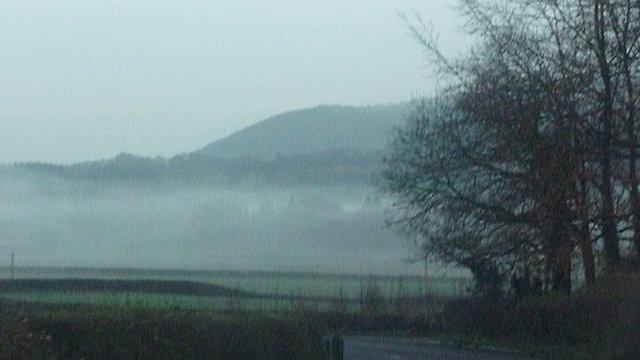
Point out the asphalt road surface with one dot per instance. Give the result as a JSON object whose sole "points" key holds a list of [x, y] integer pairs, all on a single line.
{"points": [[367, 348]]}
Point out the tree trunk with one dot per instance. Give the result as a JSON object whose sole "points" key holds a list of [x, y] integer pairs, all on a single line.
{"points": [[586, 251], [633, 185], [562, 270], [560, 244], [584, 237], [609, 227], [633, 153]]}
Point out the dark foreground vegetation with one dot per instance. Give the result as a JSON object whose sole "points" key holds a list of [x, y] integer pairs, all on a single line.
{"points": [[75, 332], [601, 322]]}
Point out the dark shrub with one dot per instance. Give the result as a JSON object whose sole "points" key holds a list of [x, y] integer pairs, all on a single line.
{"points": [[176, 335], [606, 318]]}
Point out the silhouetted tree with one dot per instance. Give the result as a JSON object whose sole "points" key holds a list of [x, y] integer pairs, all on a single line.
{"points": [[522, 159]]}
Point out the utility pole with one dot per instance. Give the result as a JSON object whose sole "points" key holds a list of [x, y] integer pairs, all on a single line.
{"points": [[13, 256]]}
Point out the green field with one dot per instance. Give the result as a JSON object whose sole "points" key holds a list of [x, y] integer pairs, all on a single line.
{"points": [[269, 291], [162, 301]]}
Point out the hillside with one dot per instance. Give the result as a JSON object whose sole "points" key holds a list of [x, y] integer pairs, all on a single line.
{"points": [[322, 145], [323, 129]]}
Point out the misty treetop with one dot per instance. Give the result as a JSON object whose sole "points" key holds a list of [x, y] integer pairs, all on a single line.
{"points": [[524, 170], [321, 145], [339, 167]]}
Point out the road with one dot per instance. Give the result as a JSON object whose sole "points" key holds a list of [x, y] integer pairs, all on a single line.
{"points": [[368, 348]]}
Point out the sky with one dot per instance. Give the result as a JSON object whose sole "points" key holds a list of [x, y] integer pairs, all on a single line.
{"points": [[86, 80]]}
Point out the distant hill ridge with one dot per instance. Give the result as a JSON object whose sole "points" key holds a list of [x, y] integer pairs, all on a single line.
{"points": [[322, 129], [317, 145]]}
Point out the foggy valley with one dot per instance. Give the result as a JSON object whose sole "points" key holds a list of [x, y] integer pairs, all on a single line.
{"points": [[296, 192]]}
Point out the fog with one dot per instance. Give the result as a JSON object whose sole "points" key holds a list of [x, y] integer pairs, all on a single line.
{"points": [[162, 82], [305, 228]]}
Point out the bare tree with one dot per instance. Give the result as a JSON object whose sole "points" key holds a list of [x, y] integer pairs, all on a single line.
{"points": [[521, 162]]}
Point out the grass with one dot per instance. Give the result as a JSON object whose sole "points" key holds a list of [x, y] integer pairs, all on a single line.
{"points": [[274, 292], [162, 301], [371, 300], [295, 284]]}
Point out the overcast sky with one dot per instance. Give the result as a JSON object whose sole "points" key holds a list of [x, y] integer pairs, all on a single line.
{"points": [[83, 80]]}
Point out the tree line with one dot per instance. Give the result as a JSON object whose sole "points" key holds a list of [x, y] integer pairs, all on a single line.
{"points": [[525, 168], [326, 168]]}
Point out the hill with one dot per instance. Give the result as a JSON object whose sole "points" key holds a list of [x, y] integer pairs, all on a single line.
{"points": [[304, 204], [322, 145], [323, 129]]}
